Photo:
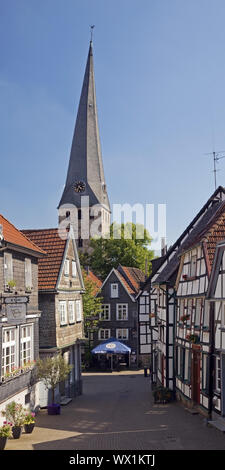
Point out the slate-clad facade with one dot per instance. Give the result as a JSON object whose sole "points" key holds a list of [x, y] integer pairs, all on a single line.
{"points": [[19, 317], [119, 308], [60, 299]]}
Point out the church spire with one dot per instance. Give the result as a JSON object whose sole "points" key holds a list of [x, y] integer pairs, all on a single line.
{"points": [[85, 176]]}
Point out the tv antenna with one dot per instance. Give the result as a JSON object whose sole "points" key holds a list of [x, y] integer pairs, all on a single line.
{"points": [[216, 157]]}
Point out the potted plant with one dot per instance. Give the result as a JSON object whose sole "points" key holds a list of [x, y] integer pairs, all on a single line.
{"points": [[29, 422], [15, 414], [52, 371], [162, 395], [5, 432], [11, 285]]}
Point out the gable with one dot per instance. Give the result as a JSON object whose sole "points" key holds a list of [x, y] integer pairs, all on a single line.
{"points": [[70, 274], [192, 276], [124, 290]]}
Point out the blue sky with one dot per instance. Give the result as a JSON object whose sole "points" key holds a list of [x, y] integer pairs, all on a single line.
{"points": [[159, 70]]}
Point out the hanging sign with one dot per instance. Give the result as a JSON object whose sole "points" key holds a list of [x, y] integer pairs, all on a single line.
{"points": [[16, 313]]}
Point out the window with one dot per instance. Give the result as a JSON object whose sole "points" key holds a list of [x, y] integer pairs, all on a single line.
{"points": [[193, 266], [8, 350], [180, 362], [8, 268], [122, 311], [26, 353], [189, 312], [105, 313], [67, 267], [114, 290], [74, 269], [181, 309], [103, 334], [63, 312], [198, 311], [122, 333], [206, 315], [187, 365], [80, 242], [28, 273], [71, 308], [218, 374], [78, 310], [223, 315]]}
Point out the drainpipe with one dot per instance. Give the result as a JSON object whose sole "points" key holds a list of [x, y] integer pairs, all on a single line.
{"points": [[211, 355]]}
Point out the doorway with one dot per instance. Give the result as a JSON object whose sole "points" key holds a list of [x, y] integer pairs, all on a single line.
{"points": [[195, 376]]}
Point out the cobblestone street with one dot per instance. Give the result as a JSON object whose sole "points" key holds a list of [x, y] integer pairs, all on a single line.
{"points": [[116, 412]]}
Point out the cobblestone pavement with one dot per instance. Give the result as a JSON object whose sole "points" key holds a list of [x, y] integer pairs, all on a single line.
{"points": [[116, 412]]}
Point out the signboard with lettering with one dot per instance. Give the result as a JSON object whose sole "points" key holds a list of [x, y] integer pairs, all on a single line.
{"points": [[16, 313], [16, 300]]}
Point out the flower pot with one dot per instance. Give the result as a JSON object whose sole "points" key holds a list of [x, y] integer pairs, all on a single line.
{"points": [[29, 428], [3, 441], [54, 409], [16, 431]]}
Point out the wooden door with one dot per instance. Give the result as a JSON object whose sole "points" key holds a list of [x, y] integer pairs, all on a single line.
{"points": [[195, 376]]}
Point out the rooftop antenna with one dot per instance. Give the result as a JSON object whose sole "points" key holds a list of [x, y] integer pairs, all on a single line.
{"points": [[91, 30], [216, 157]]}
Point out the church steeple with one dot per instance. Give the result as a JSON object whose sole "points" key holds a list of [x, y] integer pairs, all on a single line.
{"points": [[85, 176]]}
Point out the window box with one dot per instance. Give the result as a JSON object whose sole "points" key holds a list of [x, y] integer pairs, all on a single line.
{"points": [[195, 339]]}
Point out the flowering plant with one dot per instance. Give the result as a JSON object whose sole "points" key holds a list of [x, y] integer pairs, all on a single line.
{"points": [[29, 418], [15, 413], [6, 429]]}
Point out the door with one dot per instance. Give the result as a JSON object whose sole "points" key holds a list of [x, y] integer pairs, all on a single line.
{"points": [[195, 376], [223, 384]]}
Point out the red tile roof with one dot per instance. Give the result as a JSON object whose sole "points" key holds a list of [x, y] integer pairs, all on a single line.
{"points": [[125, 283], [131, 278], [48, 266], [14, 236], [90, 276]]}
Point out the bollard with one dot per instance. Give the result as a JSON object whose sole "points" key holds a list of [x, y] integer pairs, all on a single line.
{"points": [[145, 372]]}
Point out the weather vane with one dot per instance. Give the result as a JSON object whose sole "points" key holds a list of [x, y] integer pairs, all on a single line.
{"points": [[92, 27]]}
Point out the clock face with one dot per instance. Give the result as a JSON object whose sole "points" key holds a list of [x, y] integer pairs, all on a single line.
{"points": [[79, 187]]}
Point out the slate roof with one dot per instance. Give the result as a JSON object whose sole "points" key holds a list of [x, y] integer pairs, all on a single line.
{"points": [[15, 237], [48, 266], [85, 162]]}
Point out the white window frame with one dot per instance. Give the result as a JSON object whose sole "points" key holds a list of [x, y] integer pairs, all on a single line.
{"points": [[105, 312], [78, 310], [24, 340], [28, 273], [63, 312], [122, 336], [122, 310], [223, 315], [71, 311], [74, 268], [114, 290], [67, 267], [8, 268], [12, 343], [218, 374], [104, 333]]}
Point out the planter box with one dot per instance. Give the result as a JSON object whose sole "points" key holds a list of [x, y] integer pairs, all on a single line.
{"points": [[54, 409], [29, 428], [3, 441]]}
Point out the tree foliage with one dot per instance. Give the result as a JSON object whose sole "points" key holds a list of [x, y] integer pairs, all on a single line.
{"points": [[91, 304], [128, 245], [53, 370]]}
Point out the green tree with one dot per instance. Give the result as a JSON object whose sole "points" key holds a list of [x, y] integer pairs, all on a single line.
{"points": [[128, 245], [53, 370], [92, 305]]}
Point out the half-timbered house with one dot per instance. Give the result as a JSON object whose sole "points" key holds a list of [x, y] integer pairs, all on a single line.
{"points": [[192, 323], [216, 362]]}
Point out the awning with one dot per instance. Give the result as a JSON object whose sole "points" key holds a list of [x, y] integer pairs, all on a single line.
{"points": [[112, 346]]}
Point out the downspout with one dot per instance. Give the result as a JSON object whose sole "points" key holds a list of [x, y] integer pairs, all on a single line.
{"points": [[211, 356], [167, 337]]}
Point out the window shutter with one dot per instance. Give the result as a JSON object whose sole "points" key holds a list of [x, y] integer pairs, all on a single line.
{"points": [[8, 267], [28, 273]]}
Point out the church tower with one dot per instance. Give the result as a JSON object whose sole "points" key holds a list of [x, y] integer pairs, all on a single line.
{"points": [[84, 201]]}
